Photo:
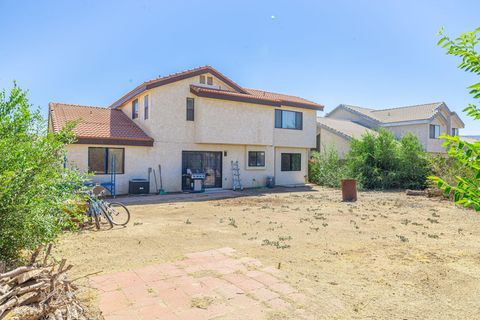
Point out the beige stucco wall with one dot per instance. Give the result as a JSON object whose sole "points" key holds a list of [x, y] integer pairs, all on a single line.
{"points": [[135, 166], [288, 178], [219, 125], [297, 138], [229, 122], [333, 140]]}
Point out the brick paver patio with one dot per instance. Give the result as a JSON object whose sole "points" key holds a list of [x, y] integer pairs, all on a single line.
{"points": [[212, 284]]}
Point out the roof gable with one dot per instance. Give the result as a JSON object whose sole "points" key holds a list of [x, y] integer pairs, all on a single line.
{"points": [[147, 85]]}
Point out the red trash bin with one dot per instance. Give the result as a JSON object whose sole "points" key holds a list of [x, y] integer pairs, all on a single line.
{"points": [[349, 190]]}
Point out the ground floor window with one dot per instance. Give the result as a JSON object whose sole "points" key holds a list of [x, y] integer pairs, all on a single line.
{"points": [[256, 158], [291, 162], [100, 160]]}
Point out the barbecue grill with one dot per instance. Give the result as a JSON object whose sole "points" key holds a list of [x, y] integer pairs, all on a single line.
{"points": [[195, 179]]}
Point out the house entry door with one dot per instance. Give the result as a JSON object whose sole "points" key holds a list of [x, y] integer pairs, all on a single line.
{"points": [[209, 162]]}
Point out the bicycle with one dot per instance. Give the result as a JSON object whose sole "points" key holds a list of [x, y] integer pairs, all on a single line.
{"points": [[115, 213]]}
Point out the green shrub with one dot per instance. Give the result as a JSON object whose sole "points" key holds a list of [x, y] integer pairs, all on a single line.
{"points": [[34, 186], [379, 161], [326, 168], [414, 167], [449, 169]]}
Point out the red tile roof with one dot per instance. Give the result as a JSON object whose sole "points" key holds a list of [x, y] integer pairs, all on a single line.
{"points": [[240, 93], [256, 96], [97, 125]]}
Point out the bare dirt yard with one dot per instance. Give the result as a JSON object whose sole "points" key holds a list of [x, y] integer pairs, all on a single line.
{"points": [[387, 256]]}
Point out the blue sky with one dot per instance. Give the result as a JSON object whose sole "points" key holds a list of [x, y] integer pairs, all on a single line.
{"points": [[368, 53]]}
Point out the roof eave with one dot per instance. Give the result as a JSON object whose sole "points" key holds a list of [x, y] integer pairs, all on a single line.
{"points": [[114, 141], [250, 99], [404, 123]]}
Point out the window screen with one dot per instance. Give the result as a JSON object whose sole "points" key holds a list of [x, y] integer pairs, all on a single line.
{"points": [[145, 107], [256, 159], [135, 109], [190, 109], [285, 119], [100, 160], [434, 131], [291, 162]]}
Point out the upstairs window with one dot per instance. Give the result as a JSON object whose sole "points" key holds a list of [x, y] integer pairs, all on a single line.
{"points": [[285, 119], [434, 131], [190, 109], [455, 132], [135, 109], [145, 107], [202, 79], [256, 158], [210, 81], [100, 160], [291, 162]]}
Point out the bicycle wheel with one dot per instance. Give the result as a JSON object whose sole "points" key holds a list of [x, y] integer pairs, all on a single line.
{"points": [[106, 215], [118, 213], [95, 218]]}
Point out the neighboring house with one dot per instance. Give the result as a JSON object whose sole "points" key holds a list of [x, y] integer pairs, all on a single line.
{"points": [[337, 134], [196, 119], [427, 121], [470, 139]]}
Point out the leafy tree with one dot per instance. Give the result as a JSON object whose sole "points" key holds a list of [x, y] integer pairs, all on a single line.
{"points": [[35, 188], [467, 189]]}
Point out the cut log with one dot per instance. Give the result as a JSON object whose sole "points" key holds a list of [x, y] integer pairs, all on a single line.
{"points": [[415, 192], [16, 272]]}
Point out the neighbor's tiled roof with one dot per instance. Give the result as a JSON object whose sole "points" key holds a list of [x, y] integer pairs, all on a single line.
{"points": [[97, 125], [470, 139], [256, 96], [238, 91], [344, 127], [399, 114]]}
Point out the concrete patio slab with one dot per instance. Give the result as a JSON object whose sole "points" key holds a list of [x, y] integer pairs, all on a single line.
{"points": [[208, 285]]}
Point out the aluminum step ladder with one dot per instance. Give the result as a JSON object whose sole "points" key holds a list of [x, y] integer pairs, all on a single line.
{"points": [[237, 184]]}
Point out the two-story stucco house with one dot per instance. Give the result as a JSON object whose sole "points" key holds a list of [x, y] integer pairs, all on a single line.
{"points": [[196, 119], [427, 121]]}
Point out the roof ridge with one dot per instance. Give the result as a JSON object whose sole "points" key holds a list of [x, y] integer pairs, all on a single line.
{"points": [[77, 105], [410, 106], [179, 72], [283, 94], [351, 105]]}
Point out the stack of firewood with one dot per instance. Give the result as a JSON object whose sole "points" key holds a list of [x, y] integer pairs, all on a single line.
{"points": [[39, 290]]}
